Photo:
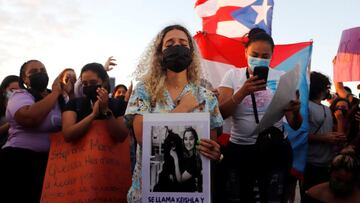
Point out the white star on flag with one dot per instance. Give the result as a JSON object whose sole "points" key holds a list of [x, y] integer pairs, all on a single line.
{"points": [[261, 11]]}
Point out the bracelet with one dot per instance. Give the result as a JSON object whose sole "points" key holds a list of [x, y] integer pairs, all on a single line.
{"points": [[233, 100]]}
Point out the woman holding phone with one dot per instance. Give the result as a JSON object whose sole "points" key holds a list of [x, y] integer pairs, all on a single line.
{"points": [[236, 101]]}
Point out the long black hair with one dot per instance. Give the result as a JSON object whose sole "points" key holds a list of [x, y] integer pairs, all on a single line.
{"points": [[258, 34], [4, 84], [196, 138], [35, 94], [99, 70], [318, 84]]}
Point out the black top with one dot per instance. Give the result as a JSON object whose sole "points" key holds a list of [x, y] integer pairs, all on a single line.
{"points": [[83, 107]]}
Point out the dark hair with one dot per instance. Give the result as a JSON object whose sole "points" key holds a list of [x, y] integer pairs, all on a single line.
{"points": [[62, 74], [22, 72], [4, 84], [37, 96], [318, 84], [116, 89], [333, 106], [347, 89], [174, 27], [258, 34], [194, 133], [99, 70], [347, 161], [337, 100], [172, 140]]}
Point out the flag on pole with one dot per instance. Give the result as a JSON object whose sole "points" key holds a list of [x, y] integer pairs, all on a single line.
{"points": [[221, 54], [221, 44]]}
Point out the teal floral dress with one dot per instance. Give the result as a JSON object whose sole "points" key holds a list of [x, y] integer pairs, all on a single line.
{"points": [[140, 103]]}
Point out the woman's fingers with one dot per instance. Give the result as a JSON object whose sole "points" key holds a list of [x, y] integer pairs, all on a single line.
{"points": [[209, 149]]}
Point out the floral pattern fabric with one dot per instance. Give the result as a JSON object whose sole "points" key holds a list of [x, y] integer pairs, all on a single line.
{"points": [[140, 103]]}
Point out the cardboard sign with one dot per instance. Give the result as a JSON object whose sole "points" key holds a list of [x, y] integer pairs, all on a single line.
{"points": [[347, 64], [94, 169]]}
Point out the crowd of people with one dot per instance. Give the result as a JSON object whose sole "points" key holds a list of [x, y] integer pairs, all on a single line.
{"points": [[170, 81]]}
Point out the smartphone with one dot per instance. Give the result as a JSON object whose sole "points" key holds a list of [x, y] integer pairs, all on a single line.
{"points": [[262, 72]]}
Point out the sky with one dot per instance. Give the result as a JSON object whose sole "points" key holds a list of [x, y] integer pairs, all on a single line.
{"points": [[71, 33]]}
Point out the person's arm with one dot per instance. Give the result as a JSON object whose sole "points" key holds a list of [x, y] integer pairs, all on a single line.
{"points": [[129, 92], [117, 128], [228, 102], [4, 128], [138, 128], [340, 122], [227, 106], [180, 177], [340, 90], [329, 137], [292, 114], [31, 116], [109, 64], [73, 130]]}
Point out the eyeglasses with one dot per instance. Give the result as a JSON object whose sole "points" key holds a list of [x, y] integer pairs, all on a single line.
{"points": [[90, 83]]}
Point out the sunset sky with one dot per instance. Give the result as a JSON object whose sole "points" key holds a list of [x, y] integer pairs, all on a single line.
{"points": [[71, 33]]}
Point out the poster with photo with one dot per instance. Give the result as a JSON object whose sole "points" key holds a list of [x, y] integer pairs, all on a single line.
{"points": [[173, 171]]}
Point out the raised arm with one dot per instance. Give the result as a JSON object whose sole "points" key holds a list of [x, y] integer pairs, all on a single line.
{"points": [[73, 130], [31, 116]]}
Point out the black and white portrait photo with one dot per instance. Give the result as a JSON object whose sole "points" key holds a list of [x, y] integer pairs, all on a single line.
{"points": [[172, 164], [175, 161]]}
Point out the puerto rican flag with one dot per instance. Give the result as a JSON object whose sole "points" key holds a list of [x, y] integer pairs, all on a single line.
{"points": [[234, 18], [222, 48]]}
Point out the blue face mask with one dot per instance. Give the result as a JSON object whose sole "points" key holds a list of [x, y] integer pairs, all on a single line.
{"points": [[254, 61]]}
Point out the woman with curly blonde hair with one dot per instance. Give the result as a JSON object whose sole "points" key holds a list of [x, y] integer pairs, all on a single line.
{"points": [[169, 74]]}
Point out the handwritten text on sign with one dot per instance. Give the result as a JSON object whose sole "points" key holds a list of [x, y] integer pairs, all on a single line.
{"points": [[94, 169]]}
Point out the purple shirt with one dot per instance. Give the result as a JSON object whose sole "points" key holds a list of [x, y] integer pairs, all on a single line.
{"points": [[37, 138]]}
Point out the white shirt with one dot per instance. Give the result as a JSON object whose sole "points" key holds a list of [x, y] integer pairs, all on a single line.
{"points": [[243, 119]]}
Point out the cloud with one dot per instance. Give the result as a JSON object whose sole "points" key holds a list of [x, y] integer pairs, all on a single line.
{"points": [[30, 26]]}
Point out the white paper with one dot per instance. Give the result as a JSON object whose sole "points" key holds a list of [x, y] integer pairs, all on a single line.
{"points": [[156, 128], [285, 92]]}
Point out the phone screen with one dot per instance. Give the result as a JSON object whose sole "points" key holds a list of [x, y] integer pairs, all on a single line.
{"points": [[262, 72]]}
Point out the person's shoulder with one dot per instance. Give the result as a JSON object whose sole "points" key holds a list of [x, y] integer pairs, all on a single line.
{"points": [[78, 99], [236, 71], [75, 103], [320, 192], [140, 85], [21, 94], [140, 88]]}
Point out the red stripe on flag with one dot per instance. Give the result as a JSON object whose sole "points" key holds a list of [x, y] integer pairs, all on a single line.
{"points": [[221, 49], [226, 50], [209, 24], [224, 13], [199, 2], [284, 51]]}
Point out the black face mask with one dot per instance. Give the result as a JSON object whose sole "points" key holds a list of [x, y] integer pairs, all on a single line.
{"points": [[340, 189], [327, 95], [39, 81], [176, 58], [122, 97], [90, 91]]}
